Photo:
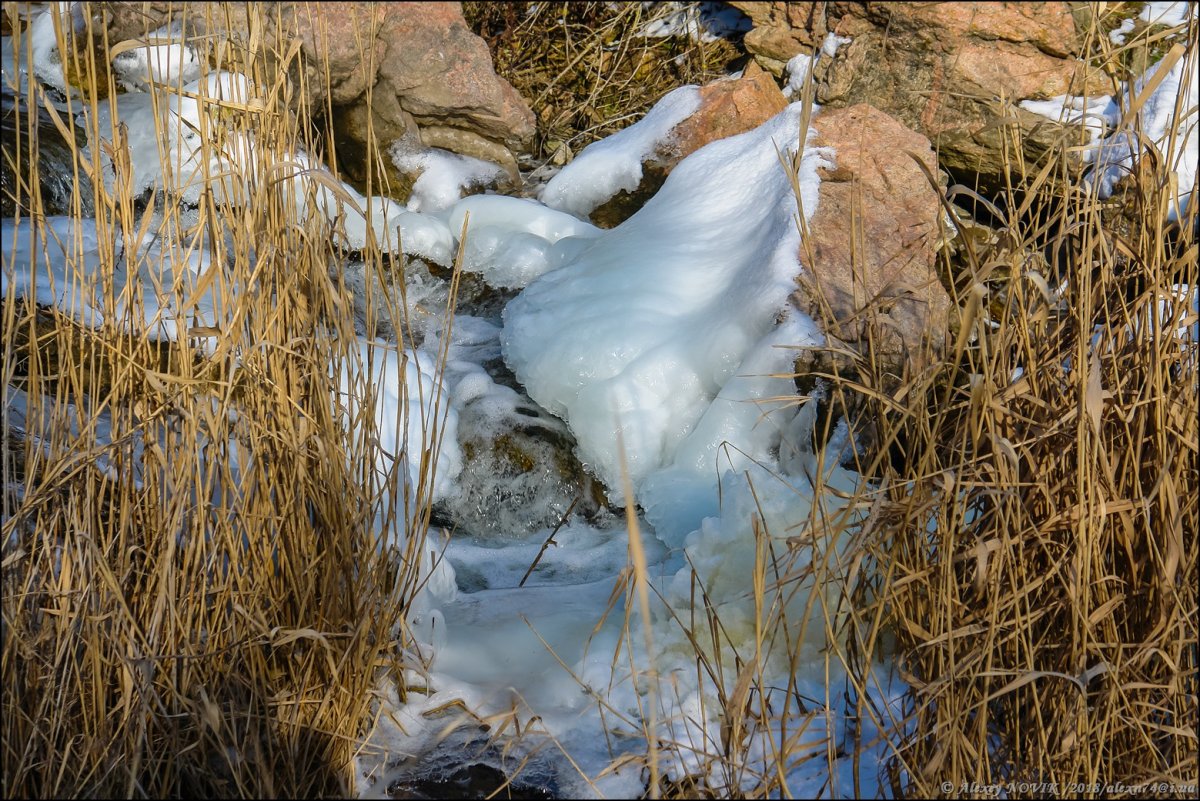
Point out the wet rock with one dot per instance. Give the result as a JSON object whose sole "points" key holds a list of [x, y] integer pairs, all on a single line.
{"points": [[55, 163], [728, 107], [871, 252], [952, 71], [467, 763], [520, 475], [476, 780]]}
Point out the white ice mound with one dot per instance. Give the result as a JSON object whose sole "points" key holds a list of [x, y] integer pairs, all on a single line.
{"points": [[1170, 119], [614, 163], [512, 241], [637, 335], [166, 58], [168, 152], [443, 175]]}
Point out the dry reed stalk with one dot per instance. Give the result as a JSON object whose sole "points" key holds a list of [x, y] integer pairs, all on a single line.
{"points": [[1039, 528], [212, 614]]}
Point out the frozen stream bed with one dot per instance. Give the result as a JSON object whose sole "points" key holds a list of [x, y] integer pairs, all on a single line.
{"points": [[665, 344]]}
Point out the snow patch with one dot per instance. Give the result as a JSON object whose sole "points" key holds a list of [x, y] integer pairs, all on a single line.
{"points": [[444, 176], [614, 163], [1169, 120]]}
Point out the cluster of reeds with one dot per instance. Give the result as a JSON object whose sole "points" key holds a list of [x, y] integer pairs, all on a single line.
{"points": [[197, 600], [1034, 491]]}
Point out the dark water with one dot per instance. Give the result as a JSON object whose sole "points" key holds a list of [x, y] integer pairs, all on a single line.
{"points": [[468, 765], [56, 175]]}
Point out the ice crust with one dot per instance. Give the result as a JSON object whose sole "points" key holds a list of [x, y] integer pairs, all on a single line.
{"points": [[39, 52], [229, 162], [614, 163]]}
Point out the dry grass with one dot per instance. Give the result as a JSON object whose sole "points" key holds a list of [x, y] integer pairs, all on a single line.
{"points": [[1026, 546], [584, 71], [1038, 506], [210, 615]]}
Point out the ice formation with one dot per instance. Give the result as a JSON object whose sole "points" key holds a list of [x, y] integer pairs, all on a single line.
{"points": [[443, 175], [39, 50], [55, 262], [638, 334], [203, 151], [614, 163], [412, 415], [164, 59], [511, 240], [665, 332]]}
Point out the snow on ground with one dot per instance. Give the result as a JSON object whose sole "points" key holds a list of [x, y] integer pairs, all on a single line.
{"points": [[1156, 13], [1168, 119]]}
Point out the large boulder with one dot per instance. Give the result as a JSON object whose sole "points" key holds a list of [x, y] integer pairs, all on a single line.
{"points": [[953, 71], [870, 254], [387, 72]]}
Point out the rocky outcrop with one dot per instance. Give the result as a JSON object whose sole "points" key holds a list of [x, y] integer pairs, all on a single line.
{"points": [[870, 255], [387, 71], [953, 71], [728, 107]]}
